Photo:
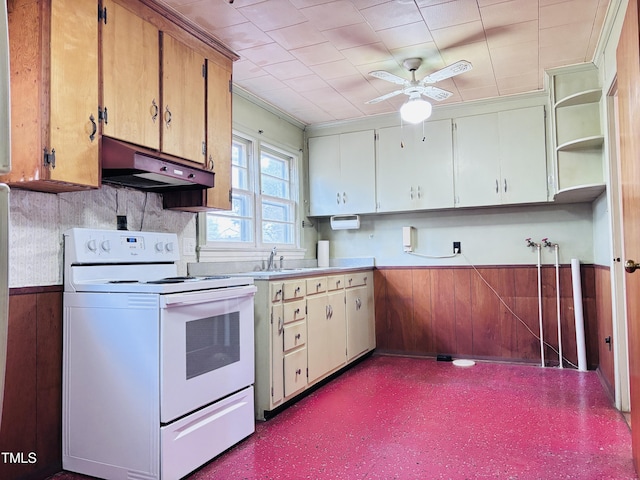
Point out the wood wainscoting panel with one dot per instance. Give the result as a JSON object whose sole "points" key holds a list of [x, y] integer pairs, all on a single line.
{"points": [[456, 311], [32, 412]]}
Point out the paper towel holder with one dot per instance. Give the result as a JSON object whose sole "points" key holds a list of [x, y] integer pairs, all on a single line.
{"points": [[345, 222]]}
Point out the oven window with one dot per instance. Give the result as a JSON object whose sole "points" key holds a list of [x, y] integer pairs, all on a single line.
{"points": [[212, 343]]}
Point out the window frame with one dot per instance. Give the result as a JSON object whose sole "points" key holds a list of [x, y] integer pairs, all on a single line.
{"points": [[214, 250]]}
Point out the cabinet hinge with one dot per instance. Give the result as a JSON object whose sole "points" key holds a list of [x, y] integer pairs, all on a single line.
{"points": [[271, 320], [230, 199], [272, 391], [375, 136], [102, 14], [230, 87], [204, 70], [204, 148], [103, 115], [50, 158]]}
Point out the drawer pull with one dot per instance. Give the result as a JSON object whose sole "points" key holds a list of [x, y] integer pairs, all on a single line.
{"points": [[298, 336], [297, 290], [297, 312]]}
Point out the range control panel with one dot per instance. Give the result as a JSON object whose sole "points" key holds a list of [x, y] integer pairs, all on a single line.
{"points": [[90, 246]]}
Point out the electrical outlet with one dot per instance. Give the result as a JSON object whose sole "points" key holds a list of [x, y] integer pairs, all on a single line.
{"points": [[456, 247], [189, 246]]}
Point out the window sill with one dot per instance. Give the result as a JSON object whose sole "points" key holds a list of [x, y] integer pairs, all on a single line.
{"points": [[231, 254]]}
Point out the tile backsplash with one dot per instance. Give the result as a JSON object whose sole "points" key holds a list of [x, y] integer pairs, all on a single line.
{"points": [[38, 220]]}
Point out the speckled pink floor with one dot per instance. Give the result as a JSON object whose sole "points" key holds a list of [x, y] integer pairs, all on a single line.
{"points": [[407, 418]]}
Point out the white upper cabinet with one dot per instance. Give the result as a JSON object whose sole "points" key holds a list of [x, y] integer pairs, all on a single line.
{"points": [[501, 158], [415, 167], [342, 174]]}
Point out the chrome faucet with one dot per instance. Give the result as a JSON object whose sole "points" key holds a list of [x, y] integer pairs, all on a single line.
{"points": [[270, 263]]}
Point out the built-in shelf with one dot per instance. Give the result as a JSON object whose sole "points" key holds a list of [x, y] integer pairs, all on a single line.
{"points": [[580, 193], [577, 133], [586, 143], [580, 98]]}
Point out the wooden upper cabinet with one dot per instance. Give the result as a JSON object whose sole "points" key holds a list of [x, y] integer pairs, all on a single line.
{"points": [[183, 101], [130, 77], [219, 134], [54, 95]]}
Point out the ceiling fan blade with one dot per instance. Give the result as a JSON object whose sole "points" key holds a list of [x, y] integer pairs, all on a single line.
{"points": [[389, 77], [449, 71], [435, 93], [384, 97]]}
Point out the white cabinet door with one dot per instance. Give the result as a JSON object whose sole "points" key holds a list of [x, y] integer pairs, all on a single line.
{"points": [[477, 162], [358, 324], [324, 174], [358, 172], [523, 164], [326, 333], [342, 173], [415, 167], [501, 158]]}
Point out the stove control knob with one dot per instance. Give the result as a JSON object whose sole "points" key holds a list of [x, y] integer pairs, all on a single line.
{"points": [[159, 247], [92, 245], [105, 246], [169, 247]]}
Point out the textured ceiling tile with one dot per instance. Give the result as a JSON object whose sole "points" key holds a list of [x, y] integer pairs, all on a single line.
{"points": [[451, 13], [340, 68], [297, 36], [266, 54], [367, 54], [572, 11], [324, 16], [243, 69], [272, 14], [451, 37], [209, 15], [316, 54], [404, 35], [391, 14], [509, 13], [306, 83], [287, 70], [244, 35], [351, 36]]}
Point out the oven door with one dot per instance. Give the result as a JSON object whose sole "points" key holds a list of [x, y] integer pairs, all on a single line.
{"points": [[207, 348]]}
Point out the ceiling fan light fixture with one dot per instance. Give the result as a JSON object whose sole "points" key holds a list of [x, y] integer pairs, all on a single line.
{"points": [[415, 110]]}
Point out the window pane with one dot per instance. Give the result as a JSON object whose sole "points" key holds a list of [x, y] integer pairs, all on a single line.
{"points": [[276, 211], [274, 166], [277, 232], [275, 187], [239, 154], [239, 178], [229, 229]]}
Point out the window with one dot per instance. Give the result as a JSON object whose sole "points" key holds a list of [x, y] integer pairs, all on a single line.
{"points": [[264, 199]]}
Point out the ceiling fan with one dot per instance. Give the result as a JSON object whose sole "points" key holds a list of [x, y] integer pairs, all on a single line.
{"points": [[416, 88]]}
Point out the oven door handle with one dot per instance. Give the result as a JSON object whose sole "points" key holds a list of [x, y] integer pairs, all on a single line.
{"points": [[206, 296]]}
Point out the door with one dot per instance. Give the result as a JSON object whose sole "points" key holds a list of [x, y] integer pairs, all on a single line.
{"points": [[357, 172], [324, 174], [207, 349], [628, 64], [74, 92], [183, 116], [478, 161], [130, 77]]}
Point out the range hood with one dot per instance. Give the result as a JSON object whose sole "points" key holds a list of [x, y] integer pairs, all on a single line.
{"points": [[145, 169]]}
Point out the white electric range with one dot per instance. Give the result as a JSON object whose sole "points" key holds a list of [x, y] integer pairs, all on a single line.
{"points": [[158, 369]]}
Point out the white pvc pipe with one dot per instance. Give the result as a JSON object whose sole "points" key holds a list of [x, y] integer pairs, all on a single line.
{"points": [[560, 356], [539, 248], [579, 314]]}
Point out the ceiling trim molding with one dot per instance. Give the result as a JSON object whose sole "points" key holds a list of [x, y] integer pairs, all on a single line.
{"points": [[241, 92]]}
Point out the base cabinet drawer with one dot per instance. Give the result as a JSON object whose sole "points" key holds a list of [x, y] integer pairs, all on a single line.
{"points": [[357, 279], [294, 311], [295, 335], [295, 371]]}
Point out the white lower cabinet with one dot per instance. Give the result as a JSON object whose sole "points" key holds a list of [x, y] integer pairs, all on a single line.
{"points": [[306, 329], [359, 308]]}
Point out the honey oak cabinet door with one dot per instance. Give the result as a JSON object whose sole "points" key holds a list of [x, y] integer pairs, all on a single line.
{"points": [[183, 101], [130, 77], [54, 91], [219, 134]]}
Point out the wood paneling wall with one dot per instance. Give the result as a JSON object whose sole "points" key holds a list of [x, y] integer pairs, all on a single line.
{"points": [[453, 311], [32, 411]]}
